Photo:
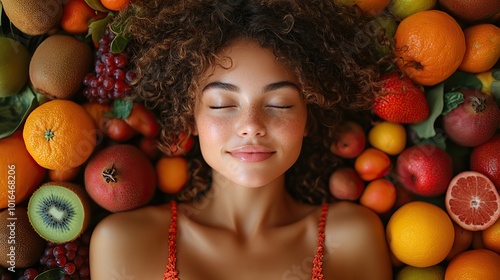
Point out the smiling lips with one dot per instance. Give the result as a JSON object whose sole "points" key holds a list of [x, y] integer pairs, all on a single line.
{"points": [[252, 153]]}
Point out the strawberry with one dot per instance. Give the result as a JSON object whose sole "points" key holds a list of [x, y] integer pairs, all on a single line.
{"points": [[400, 101]]}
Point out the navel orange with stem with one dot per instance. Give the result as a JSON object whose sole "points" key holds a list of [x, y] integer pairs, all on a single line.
{"points": [[482, 47], [429, 45], [60, 134], [20, 172]]}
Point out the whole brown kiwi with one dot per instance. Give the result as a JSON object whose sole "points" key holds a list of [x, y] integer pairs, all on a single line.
{"points": [[59, 65], [20, 245], [34, 17], [471, 11]]}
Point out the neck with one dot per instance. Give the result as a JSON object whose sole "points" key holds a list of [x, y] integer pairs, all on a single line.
{"points": [[243, 210]]}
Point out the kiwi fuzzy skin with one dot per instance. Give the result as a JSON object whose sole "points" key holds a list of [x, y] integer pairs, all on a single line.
{"points": [[84, 198], [28, 246]]}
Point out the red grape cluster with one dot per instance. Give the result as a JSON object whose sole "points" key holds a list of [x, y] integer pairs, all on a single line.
{"points": [[72, 257], [111, 77]]}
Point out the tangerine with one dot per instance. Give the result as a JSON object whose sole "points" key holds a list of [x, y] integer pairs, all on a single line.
{"points": [[462, 241], [21, 173], [77, 15], [491, 237], [372, 164], [115, 5], [482, 48], [472, 201], [60, 134], [419, 43], [172, 174], [420, 234], [474, 264], [379, 195]]}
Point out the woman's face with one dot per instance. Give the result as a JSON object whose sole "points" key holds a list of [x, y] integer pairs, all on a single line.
{"points": [[250, 116]]}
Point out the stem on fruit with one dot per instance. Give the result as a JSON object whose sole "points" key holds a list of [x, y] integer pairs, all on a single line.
{"points": [[48, 135], [109, 174], [478, 104]]}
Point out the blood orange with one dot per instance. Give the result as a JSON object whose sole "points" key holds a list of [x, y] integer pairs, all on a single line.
{"points": [[472, 201]]}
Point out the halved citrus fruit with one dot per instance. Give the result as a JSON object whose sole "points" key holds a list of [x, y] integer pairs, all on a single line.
{"points": [[472, 201]]}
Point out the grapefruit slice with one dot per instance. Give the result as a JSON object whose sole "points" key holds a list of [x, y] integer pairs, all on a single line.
{"points": [[472, 201]]}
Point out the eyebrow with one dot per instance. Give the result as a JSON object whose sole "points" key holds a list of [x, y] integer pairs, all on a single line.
{"points": [[267, 88]]}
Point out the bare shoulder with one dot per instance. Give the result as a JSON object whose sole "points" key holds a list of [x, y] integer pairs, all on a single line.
{"points": [[355, 243], [122, 239]]}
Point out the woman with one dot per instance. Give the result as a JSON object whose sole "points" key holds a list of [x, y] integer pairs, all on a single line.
{"points": [[262, 86]]}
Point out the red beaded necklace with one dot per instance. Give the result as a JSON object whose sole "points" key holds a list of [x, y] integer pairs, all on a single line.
{"points": [[171, 270]]}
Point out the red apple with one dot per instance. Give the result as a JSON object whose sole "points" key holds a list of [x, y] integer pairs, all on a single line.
{"points": [[425, 170], [345, 184], [351, 141]]}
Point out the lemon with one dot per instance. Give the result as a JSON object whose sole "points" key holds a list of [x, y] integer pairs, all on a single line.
{"points": [[435, 272], [389, 137], [420, 234], [405, 8], [14, 66]]}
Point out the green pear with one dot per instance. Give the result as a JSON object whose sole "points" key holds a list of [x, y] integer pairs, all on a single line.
{"points": [[14, 66], [404, 8]]}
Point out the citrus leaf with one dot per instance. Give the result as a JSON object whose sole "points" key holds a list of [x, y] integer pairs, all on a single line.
{"points": [[452, 100], [96, 5], [14, 110], [120, 109], [98, 27], [460, 79], [496, 74], [118, 44], [434, 96], [51, 274]]}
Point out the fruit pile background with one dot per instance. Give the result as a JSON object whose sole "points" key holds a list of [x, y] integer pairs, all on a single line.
{"points": [[428, 157]]}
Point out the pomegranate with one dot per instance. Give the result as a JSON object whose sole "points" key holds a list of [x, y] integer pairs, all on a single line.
{"points": [[474, 121]]}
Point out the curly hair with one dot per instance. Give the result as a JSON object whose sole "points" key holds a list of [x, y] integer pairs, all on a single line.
{"points": [[330, 48]]}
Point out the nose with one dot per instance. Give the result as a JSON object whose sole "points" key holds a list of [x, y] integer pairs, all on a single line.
{"points": [[251, 123]]}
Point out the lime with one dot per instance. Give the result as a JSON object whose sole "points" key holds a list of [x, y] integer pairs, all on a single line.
{"points": [[404, 8], [435, 272]]}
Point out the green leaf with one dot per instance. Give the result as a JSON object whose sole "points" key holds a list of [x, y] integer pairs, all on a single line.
{"points": [[96, 5], [98, 27], [120, 109], [496, 74], [14, 110], [51, 274], [460, 79], [434, 96], [118, 44], [452, 100]]}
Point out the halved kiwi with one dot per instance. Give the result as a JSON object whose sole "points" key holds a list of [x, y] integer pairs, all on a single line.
{"points": [[59, 211]]}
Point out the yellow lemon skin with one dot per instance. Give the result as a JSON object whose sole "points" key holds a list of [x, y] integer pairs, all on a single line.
{"points": [[388, 137]]}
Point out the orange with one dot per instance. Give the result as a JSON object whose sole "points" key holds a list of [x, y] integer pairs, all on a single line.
{"points": [[429, 45], [462, 242], [372, 164], [379, 195], [77, 15], [20, 172], [172, 174], [420, 234], [474, 264], [60, 134], [491, 237], [115, 5], [482, 48], [64, 175], [389, 137]]}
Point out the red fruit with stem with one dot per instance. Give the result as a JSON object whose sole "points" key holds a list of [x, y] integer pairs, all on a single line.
{"points": [[400, 101], [474, 121], [424, 170]]}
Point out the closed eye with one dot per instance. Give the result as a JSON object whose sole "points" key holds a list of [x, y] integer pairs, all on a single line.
{"points": [[220, 107], [281, 107]]}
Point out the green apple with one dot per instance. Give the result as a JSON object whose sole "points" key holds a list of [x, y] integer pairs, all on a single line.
{"points": [[404, 8], [14, 66]]}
